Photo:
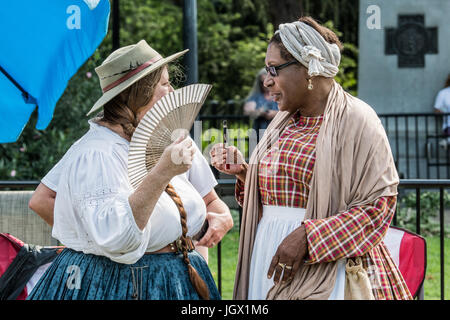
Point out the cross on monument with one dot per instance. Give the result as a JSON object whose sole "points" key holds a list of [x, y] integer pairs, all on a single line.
{"points": [[411, 40]]}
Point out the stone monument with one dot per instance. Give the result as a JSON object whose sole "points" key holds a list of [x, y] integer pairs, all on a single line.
{"points": [[404, 59]]}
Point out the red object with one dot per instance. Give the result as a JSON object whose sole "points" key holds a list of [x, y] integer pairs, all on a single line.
{"points": [[409, 251], [9, 248], [22, 265]]}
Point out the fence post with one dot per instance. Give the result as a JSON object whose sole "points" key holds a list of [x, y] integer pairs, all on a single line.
{"points": [[442, 235], [115, 25], [190, 40]]}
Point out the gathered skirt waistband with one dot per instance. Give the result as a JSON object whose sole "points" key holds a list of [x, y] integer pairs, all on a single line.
{"points": [[280, 212]]}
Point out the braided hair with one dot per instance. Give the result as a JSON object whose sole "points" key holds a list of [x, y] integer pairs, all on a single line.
{"points": [[196, 280], [122, 110]]}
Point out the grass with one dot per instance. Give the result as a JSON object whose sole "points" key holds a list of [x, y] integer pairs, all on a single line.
{"points": [[433, 274], [230, 245]]}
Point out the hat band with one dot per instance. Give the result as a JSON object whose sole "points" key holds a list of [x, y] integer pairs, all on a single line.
{"points": [[143, 66]]}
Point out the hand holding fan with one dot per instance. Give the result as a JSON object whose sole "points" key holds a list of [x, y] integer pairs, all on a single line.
{"points": [[161, 125]]}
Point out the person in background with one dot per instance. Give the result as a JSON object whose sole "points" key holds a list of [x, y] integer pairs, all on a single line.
{"points": [[442, 105], [258, 104]]}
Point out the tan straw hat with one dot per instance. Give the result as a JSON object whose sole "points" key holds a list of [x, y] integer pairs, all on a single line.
{"points": [[125, 66]]}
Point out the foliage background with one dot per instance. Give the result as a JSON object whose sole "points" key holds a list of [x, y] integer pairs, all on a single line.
{"points": [[232, 41]]}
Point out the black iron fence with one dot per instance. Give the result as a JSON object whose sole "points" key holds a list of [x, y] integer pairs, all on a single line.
{"points": [[419, 147], [226, 188], [419, 187]]}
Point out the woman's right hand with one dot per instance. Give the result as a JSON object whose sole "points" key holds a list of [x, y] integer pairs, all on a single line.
{"points": [[228, 160], [177, 157]]}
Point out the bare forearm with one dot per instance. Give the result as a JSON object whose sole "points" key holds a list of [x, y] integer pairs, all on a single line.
{"points": [[218, 206], [45, 210], [43, 202], [219, 218], [144, 199]]}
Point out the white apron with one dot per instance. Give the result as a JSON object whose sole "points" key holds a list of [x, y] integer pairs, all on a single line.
{"points": [[275, 225]]}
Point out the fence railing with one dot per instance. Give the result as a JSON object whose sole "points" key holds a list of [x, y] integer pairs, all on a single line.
{"points": [[417, 140], [226, 187], [418, 144], [418, 186]]}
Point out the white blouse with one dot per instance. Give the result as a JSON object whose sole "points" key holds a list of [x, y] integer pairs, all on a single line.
{"points": [[92, 213]]}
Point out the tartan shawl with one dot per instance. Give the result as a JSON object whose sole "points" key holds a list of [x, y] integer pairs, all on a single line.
{"points": [[354, 166]]}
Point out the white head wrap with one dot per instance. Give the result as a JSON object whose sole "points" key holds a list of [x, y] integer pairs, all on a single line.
{"points": [[310, 49]]}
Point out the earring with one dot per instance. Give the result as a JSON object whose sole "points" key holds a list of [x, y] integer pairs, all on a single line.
{"points": [[310, 85]]}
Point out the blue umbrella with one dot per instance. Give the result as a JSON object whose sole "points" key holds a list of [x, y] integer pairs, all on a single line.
{"points": [[42, 45]]}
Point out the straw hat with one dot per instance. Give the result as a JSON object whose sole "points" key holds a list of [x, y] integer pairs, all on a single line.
{"points": [[125, 66]]}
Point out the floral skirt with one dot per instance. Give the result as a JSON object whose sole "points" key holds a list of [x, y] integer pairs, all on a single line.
{"points": [[75, 275]]}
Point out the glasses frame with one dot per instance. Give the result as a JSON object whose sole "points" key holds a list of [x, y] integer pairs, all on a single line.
{"points": [[272, 70]]}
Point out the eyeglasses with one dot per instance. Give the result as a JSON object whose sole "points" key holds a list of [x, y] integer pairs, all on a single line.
{"points": [[272, 70]]}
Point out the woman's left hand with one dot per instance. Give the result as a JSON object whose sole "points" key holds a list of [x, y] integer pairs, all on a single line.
{"points": [[219, 224], [289, 256]]}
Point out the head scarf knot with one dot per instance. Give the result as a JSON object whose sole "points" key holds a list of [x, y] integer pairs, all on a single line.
{"points": [[308, 47]]}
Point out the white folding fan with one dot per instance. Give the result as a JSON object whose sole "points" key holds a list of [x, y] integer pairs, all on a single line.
{"points": [[176, 110]]}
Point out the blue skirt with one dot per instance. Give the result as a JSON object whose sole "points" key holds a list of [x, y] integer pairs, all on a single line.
{"points": [[75, 275]]}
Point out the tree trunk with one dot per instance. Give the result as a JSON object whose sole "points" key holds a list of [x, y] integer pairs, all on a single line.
{"points": [[284, 11]]}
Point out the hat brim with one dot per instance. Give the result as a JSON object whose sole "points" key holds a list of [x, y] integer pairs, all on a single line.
{"points": [[108, 95]]}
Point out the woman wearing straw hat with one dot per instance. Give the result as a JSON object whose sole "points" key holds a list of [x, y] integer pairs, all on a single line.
{"points": [[123, 243], [320, 190]]}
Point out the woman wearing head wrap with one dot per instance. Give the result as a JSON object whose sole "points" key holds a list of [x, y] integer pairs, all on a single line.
{"points": [[321, 185]]}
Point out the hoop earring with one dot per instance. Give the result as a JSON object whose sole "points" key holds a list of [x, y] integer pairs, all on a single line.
{"points": [[310, 85]]}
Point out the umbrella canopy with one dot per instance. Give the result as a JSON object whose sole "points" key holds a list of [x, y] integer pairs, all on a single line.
{"points": [[42, 45]]}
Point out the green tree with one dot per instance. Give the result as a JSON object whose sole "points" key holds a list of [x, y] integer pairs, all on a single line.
{"points": [[232, 41]]}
